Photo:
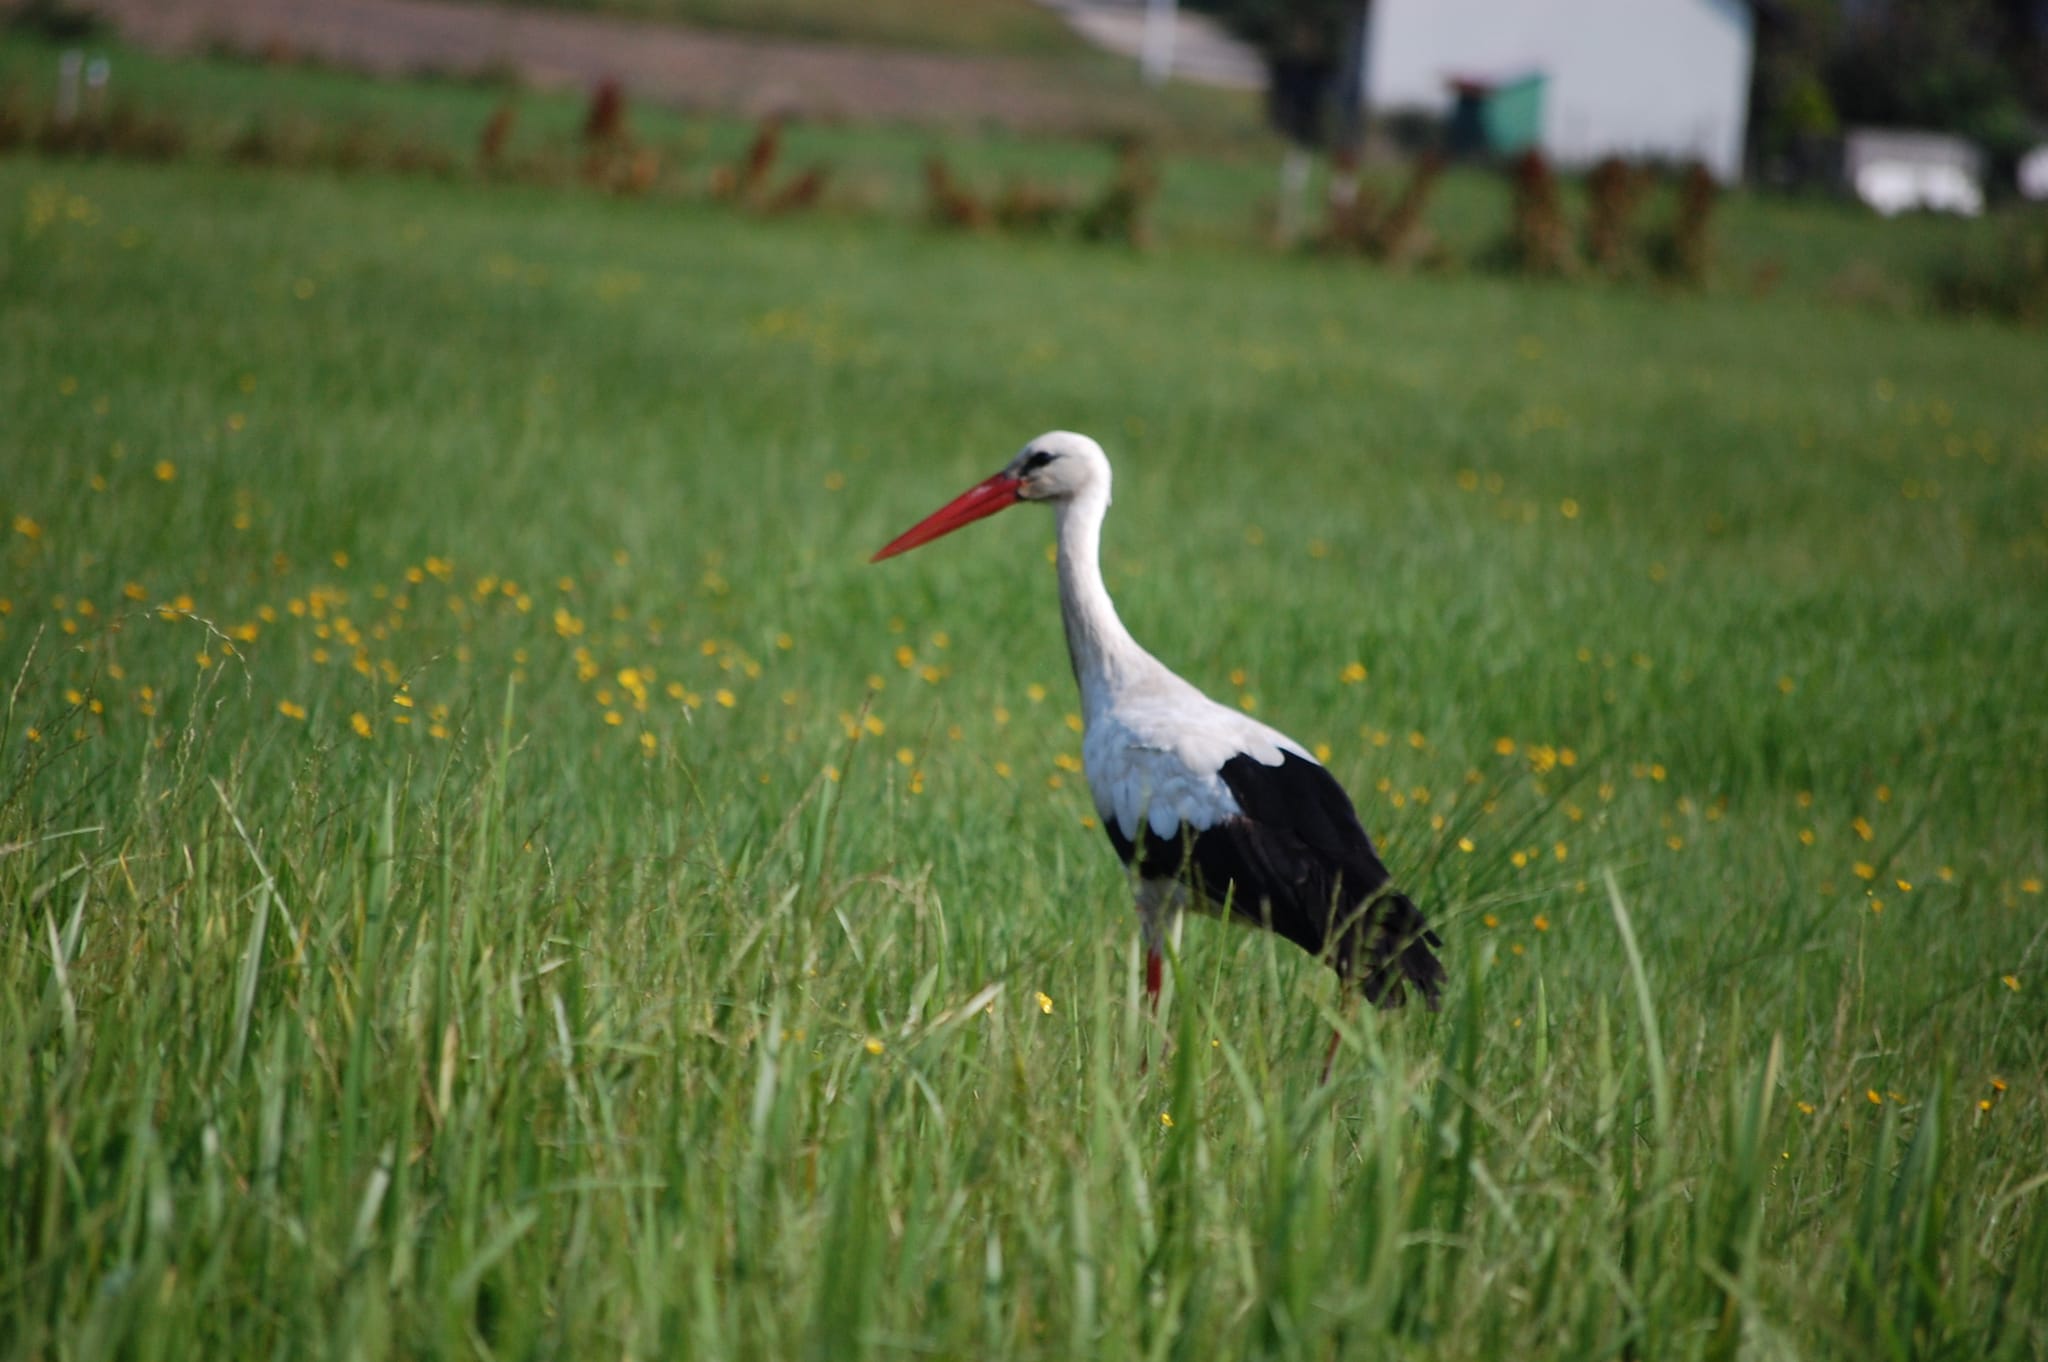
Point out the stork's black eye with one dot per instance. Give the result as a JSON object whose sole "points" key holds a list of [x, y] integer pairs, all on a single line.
{"points": [[1037, 459]]}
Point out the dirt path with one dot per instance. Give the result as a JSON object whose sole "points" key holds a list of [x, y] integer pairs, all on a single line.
{"points": [[690, 68]]}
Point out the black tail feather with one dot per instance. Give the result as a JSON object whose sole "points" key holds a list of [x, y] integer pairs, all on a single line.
{"points": [[1399, 949]]}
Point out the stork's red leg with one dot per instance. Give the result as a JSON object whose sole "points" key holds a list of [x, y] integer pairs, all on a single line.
{"points": [[1154, 971], [1158, 911]]}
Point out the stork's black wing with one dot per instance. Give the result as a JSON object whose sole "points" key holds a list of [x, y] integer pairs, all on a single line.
{"points": [[1297, 860]]}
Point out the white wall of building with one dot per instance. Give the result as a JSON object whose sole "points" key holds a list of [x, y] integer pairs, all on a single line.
{"points": [[1663, 78]]}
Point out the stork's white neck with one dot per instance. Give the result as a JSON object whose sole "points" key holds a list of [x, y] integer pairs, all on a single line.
{"points": [[1104, 654]]}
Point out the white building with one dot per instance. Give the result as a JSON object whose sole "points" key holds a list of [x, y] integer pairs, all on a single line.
{"points": [[1667, 79]]}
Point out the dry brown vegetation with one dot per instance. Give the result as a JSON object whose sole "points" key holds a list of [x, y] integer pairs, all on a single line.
{"points": [[1397, 235]]}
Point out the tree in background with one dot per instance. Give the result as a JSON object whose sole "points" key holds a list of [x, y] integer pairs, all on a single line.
{"points": [[1311, 49], [1306, 45], [1792, 116], [1951, 65], [1977, 68]]}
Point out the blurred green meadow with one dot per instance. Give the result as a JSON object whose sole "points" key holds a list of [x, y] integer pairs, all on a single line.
{"points": [[487, 869]]}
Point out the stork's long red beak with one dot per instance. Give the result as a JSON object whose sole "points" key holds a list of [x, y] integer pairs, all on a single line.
{"points": [[977, 502]]}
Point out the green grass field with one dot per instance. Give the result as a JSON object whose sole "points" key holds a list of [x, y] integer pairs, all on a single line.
{"points": [[487, 869]]}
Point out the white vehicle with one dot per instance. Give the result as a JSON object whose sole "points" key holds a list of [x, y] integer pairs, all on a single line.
{"points": [[1897, 172]]}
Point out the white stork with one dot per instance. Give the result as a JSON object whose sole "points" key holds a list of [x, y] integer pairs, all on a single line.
{"points": [[1211, 809]]}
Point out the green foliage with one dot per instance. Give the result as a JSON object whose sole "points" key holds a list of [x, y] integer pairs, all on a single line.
{"points": [[2006, 277], [1971, 67], [578, 907], [1943, 64]]}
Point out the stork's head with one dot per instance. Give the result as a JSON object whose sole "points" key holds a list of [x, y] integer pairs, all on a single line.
{"points": [[1057, 466]]}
